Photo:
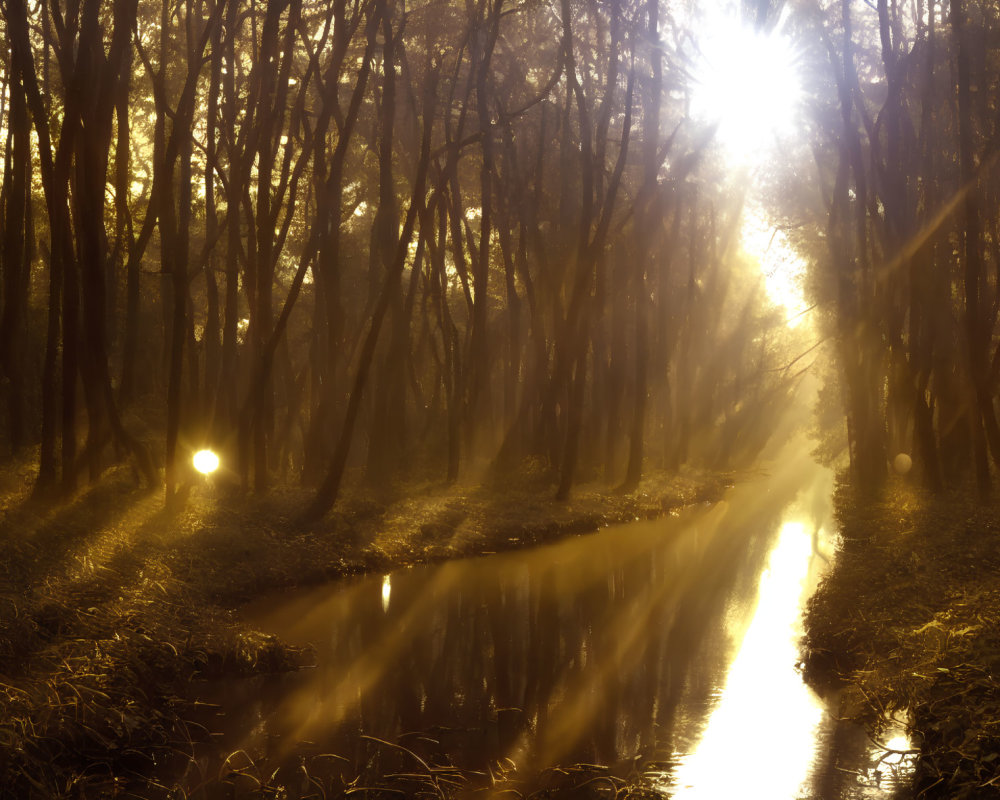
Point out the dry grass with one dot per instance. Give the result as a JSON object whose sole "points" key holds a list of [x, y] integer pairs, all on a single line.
{"points": [[910, 619], [390, 770]]}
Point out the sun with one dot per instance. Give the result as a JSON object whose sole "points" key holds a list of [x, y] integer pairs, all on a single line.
{"points": [[746, 82]]}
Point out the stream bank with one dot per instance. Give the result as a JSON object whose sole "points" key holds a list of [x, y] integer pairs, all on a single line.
{"points": [[630, 663], [908, 623], [110, 607]]}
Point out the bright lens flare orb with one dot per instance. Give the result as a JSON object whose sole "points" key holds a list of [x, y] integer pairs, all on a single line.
{"points": [[902, 463], [746, 82], [206, 462]]}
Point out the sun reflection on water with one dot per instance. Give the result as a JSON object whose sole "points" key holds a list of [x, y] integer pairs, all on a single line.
{"points": [[386, 592], [766, 716], [900, 742], [890, 763]]}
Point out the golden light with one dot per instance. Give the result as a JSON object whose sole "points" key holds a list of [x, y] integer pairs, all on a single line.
{"points": [[386, 592], [783, 268], [206, 462], [899, 745], [746, 82], [765, 713], [894, 762]]}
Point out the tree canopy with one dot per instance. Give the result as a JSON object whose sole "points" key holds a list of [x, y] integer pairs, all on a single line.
{"points": [[443, 238]]}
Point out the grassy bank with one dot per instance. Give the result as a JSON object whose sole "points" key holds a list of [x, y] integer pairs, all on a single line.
{"points": [[109, 606], [909, 621]]}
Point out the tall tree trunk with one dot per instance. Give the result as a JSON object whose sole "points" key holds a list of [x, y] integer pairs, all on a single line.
{"points": [[331, 365], [647, 218], [212, 336], [976, 336], [389, 391], [16, 261], [484, 36], [860, 338], [329, 490]]}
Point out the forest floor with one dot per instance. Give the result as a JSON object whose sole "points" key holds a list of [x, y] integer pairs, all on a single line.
{"points": [[110, 606], [908, 623]]}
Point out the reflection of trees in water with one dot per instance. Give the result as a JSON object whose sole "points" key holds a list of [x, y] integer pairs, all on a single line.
{"points": [[597, 655]]}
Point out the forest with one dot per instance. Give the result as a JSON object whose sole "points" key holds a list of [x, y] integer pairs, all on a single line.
{"points": [[465, 236], [369, 242], [455, 238]]}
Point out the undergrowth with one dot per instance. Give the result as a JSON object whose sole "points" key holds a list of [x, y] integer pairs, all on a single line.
{"points": [[908, 622]]}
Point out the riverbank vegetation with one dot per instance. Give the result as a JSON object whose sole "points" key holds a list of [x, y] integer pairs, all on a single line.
{"points": [[908, 627], [908, 615], [111, 605]]}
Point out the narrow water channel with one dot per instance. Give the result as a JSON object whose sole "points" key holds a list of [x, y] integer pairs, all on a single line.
{"points": [[671, 642]]}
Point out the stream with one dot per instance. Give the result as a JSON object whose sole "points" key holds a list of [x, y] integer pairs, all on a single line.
{"points": [[670, 643]]}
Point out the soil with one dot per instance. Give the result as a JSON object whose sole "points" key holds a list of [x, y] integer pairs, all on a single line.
{"points": [[110, 605], [908, 623]]}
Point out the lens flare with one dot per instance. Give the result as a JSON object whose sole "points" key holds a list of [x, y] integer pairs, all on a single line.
{"points": [[747, 84], [206, 462], [902, 463]]}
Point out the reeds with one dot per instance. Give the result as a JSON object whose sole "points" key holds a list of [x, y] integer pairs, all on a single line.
{"points": [[388, 770]]}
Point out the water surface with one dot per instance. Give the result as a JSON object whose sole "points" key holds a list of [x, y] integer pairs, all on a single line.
{"points": [[671, 644]]}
